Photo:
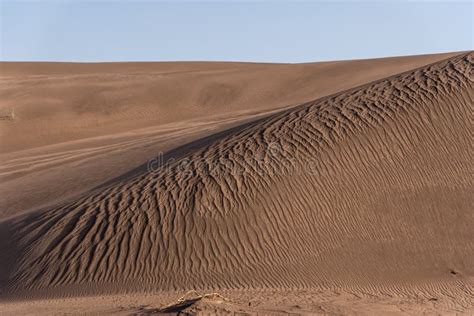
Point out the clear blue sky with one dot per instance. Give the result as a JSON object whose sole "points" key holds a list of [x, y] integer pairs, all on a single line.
{"points": [[272, 31]]}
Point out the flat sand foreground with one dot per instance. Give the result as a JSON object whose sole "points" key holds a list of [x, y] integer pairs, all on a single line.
{"points": [[339, 187]]}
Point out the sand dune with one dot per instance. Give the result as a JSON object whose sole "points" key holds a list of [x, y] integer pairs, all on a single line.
{"points": [[368, 189], [316, 188], [88, 123], [59, 102]]}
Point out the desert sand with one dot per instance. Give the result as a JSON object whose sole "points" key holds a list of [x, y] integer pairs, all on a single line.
{"points": [[332, 187]]}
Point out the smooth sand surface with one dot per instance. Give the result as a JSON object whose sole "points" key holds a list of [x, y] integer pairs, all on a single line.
{"points": [[336, 187]]}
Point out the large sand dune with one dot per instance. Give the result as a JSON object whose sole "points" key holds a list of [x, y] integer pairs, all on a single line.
{"points": [[367, 189], [76, 126]]}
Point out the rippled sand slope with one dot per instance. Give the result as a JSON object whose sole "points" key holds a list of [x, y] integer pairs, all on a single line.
{"points": [[370, 187]]}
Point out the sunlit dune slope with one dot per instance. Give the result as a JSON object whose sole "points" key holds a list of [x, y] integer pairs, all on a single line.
{"points": [[368, 187]]}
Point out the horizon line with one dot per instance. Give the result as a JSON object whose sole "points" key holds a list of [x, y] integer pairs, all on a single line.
{"points": [[227, 61]]}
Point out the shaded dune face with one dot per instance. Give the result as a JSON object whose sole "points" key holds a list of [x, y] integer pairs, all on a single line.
{"points": [[369, 187]]}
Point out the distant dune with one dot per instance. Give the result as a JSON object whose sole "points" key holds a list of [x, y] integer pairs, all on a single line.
{"points": [[58, 102], [352, 175]]}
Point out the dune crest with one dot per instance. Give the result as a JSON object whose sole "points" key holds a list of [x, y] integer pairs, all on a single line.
{"points": [[367, 187]]}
